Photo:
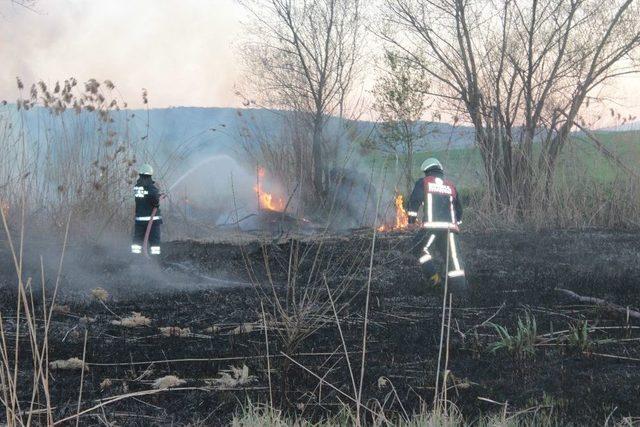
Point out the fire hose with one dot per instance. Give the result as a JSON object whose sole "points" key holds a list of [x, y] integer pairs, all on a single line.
{"points": [[145, 242], [147, 233]]}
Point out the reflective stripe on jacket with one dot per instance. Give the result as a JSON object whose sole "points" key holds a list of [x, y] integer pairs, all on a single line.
{"points": [[442, 208]]}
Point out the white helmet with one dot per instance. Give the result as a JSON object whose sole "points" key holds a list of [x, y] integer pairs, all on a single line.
{"points": [[431, 163], [145, 169]]}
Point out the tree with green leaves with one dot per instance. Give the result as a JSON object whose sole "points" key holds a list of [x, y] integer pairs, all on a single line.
{"points": [[400, 102], [522, 71]]}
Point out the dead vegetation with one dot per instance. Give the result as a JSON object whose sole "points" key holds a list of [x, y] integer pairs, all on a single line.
{"points": [[245, 328], [233, 378], [213, 329], [70, 364], [95, 155], [61, 309], [175, 331], [166, 382], [135, 320], [100, 294], [106, 383], [335, 329], [404, 325]]}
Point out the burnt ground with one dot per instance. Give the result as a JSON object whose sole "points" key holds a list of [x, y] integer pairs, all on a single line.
{"points": [[200, 285]]}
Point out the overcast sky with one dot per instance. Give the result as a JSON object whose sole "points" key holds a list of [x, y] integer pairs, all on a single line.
{"points": [[184, 52]]}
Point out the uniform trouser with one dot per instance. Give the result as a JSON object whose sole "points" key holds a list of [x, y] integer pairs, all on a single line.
{"points": [[431, 243], [139, 230]]}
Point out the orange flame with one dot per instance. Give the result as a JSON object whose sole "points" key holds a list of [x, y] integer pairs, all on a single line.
{"points": [[267, 200], [401, 219]]}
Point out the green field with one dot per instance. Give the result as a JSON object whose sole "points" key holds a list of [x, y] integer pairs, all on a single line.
{"points": [[579, 156]]}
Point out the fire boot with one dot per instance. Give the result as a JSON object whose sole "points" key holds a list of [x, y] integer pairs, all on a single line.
{"points": [[457, 282], [427, 262], [436, 280]]}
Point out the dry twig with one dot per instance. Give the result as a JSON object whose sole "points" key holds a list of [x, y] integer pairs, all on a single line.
{"points": [[602, 303]]}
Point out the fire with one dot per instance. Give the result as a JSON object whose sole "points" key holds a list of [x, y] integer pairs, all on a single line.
{"points": [[401, 219], [267, 200]]}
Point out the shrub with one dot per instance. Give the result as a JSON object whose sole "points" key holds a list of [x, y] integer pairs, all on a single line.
{"points": [[520, 344]]}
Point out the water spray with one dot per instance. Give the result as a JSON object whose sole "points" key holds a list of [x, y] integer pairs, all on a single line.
{"points": [[190, 170]]}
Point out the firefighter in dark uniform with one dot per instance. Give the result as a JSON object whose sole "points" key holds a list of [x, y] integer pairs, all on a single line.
{"points": [[147, 197], [442, 215]]}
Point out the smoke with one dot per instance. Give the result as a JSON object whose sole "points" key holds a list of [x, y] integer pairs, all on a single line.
{"points": [[138, 44], [135, 44], [218, 189], [105, 263]]}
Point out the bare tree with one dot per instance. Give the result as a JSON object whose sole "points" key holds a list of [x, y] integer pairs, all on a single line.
{"points": [[27, 4], [302, 58], [400, 101], [522, 71]]}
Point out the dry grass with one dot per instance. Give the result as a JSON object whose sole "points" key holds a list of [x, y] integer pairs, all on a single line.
{"points": [[61, 309], [70, 148], [85, 320], [308, 303], [135, 320], [166, 382], [175, 331], [16, 413], [213, 329], [72, 364], [106, 383], [245, 328], [262, 415], [100, 294], [234, 377], [577, 199]]}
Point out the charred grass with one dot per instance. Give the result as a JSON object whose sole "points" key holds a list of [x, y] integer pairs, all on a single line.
{"points": [[579, 364]]}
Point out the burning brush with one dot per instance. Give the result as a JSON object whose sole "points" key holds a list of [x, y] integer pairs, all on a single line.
{"points": [[266, 200], [401, 220]]}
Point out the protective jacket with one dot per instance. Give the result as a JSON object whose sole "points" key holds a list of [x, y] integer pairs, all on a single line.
{"points": [[147, 197], [442, 215], [442, 208]]}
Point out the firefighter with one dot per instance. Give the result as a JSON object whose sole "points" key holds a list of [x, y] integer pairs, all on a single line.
{"points": [[147, 197], [442, 215]]}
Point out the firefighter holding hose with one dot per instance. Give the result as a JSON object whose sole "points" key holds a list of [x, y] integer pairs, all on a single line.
{"points": [[146, 229], [442, 215]]}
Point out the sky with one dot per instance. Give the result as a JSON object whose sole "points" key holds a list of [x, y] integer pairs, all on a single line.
{"points": [[181, 51], [184, 52]]}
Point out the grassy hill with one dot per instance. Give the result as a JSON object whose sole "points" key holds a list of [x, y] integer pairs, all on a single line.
{"points": [[464, 165], [194, 133]]}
